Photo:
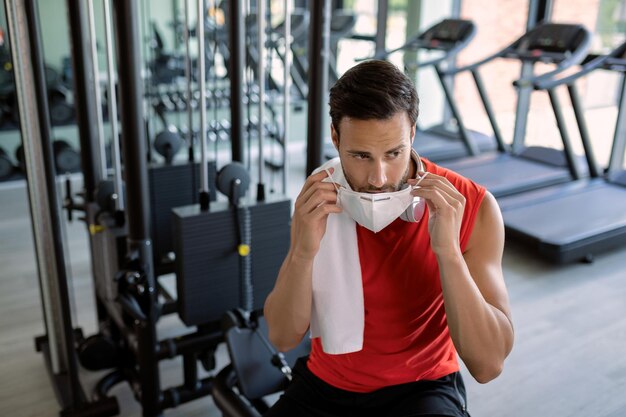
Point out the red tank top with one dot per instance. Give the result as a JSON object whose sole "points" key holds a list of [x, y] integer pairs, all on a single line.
{"points": [[406, 336]]}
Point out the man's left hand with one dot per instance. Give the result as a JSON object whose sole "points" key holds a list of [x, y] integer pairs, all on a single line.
{"points": [[445, 211]]}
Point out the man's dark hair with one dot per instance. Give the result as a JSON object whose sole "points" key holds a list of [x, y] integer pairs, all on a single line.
{"points": [[373, 90]]}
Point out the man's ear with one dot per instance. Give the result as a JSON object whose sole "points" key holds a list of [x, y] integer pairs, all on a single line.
{"points": [[413, 129], [334, 135]]}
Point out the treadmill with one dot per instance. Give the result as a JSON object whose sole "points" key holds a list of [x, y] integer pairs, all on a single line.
{"points": [[445, 39], [518, 168], [576, 221]]}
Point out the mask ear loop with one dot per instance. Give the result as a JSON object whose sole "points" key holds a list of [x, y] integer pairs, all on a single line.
{"points": [[331, 179], [420, 180]]}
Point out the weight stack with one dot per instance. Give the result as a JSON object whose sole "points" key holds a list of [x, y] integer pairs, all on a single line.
{"points": [[172, 186], [208, 265]]}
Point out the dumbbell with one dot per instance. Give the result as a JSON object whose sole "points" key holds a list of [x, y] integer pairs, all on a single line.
{"points": [[186, 102], [66, 158], [176, 98], [61, 112], [6, 165], [167, 102]]}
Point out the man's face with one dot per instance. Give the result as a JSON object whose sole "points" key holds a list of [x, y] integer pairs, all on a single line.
{"points": [[375, 154]]}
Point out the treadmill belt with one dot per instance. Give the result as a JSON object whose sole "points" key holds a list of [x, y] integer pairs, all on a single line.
{"points": [[574, 224], [572, 217], [503, 174]]}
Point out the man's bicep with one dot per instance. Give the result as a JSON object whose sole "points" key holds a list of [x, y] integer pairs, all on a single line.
{"points": [[484, 254]]}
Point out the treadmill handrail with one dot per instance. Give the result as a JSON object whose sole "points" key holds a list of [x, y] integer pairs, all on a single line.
{"points": [[475, 65], [575, 58], [417, 43], [432, 62], [589, 67]]}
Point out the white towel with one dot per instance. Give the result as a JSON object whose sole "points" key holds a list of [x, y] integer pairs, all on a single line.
{"points": [[338, 312]]}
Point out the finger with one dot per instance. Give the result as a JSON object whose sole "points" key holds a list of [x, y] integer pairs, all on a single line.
{"points": [[320, 197], [438, 200], [428, 177], [451, 194], [442, 184], [319, 186], [315, 178], [324, 210]]}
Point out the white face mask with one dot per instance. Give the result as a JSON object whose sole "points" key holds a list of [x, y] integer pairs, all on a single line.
{"points": [[377, 211]]}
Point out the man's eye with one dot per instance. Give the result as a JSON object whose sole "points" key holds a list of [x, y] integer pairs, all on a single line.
{"points": [[361, 155]]}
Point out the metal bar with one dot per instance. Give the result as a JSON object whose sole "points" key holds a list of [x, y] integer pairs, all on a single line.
{"points": [[204, 169], [533, 8], [381, 26], [236, 72], [319, 41], [102, 162], [138, 209], [522, 109], [413, 21], [190, 343], [175, 396], [560, 122], [30, 85], [616, 160], [471, 147], [261, 78], [112, 105], [584, 132], [451, 62], [229, 403], [188, 72], [538, 11], [190, 371], [133, 129], [488, 109], [287, 92], [84, 96], [543, 12]]}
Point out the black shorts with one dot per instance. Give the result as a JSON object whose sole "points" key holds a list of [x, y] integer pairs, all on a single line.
{"points": [[307, 395]]}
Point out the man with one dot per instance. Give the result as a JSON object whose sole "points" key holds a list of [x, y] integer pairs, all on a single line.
{"points": [[427, 289]]}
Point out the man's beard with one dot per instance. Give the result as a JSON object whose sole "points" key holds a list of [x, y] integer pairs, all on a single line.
{"points": [[387, 188]]}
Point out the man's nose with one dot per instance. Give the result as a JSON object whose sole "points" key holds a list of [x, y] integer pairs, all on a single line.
{"points": [[377, 177]]}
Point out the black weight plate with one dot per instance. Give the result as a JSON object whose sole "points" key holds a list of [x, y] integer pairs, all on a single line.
{"points": [[228, 174]]}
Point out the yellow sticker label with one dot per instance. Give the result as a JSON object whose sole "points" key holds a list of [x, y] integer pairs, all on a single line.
{"points": [[244, 250], [95, 228]]}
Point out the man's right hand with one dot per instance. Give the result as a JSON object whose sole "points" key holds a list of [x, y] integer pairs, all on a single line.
{"points": [[314, 203]]}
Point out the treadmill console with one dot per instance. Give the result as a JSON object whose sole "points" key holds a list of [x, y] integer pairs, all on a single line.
{"points": [[447, 33], [550, 42]]}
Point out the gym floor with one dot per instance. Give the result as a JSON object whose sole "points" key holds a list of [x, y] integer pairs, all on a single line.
{"points": [[568, 358]]}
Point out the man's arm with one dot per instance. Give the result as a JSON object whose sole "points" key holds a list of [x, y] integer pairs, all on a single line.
{"points": [[475, 296], [288, 307], [474, 292]]}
